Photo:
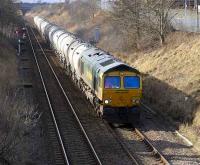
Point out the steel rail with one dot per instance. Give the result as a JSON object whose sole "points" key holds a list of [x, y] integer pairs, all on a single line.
{"points": [[150, 145], [67, 98], [124, 147], [143, 137], [49, 103]]}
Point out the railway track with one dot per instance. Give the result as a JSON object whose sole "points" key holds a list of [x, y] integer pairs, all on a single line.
{"points": [[165, 130], [155, 153], [68, 137], [155, 157]]}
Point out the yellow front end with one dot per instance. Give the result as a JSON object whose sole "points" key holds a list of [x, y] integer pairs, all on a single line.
{"points": [[122, 97]]}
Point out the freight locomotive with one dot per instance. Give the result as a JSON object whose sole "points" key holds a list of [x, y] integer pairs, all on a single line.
{"points": [[113, 87]]}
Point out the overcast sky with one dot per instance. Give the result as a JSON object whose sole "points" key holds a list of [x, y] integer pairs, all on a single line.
{"points": [[50, 1]]}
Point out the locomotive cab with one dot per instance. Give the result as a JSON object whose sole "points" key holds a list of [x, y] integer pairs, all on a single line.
{"points": [[122, 91]]}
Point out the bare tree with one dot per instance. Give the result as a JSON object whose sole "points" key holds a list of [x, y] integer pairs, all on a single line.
{"points": [[93, 6], [137, 18], [8, 15], [195, 4], [67, 2], [83, 10], [157, 16], [126, 15]]}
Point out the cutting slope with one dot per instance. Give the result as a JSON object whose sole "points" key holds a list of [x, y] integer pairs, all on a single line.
{"points": [[172, 81]]}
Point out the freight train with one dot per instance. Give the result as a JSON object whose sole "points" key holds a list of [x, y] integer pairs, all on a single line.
{"points": [[113, 87]]}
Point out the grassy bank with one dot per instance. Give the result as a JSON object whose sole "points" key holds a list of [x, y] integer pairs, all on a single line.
{"points": [[171, 72], [17, 117], [8, 65]]}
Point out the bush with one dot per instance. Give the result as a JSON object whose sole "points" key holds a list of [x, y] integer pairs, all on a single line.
{"points": [[17, 118]]}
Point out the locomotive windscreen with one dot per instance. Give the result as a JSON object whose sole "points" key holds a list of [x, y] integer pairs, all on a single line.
{"points": [[112, 82], [131, 82]]}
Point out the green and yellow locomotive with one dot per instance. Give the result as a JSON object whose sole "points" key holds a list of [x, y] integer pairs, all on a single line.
{"points": [[113, 87]]}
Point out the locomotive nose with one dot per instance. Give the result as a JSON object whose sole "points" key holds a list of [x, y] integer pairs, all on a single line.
{"points": [[122, 98]]}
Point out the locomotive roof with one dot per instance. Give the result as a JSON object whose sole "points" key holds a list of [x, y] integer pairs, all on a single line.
{"points": [[106, 62]]}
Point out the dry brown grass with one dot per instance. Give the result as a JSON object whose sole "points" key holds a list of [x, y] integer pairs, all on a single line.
{"points": [[8, 65], [17, 117], [171, 72], [172, 81]]}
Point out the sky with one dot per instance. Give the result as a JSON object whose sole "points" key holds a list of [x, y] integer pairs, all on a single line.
{"points": [[49, 1]]}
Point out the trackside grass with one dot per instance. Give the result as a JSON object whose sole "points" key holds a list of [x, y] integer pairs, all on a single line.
{"points": [[17, 117]]}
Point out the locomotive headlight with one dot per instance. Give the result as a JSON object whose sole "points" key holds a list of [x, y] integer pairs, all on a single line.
{"points": [[107, 101], [136, 101]]}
